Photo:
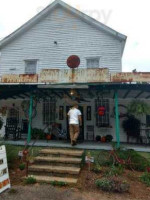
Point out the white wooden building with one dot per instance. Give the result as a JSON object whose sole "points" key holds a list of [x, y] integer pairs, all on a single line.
{"points": [[45, 43]]}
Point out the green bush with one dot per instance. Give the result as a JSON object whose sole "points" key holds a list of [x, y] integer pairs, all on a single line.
{"points": [[22, 166], [30, 180], [38, 133], [114, 170], [97, 168], [112, 185], [145, 178], [58, 183]]}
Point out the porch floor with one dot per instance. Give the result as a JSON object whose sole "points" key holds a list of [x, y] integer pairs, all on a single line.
{"points": [[91, 145]]}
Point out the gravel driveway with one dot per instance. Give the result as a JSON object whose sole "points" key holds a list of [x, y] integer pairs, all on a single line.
{"points": [[47, 192]]}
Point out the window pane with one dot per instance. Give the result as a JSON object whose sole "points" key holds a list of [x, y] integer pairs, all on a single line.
{"points": [[93, 63], [30, 67]]}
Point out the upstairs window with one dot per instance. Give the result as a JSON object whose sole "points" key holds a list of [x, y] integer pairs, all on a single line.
{"points": [[30, 66], [93, 62]]}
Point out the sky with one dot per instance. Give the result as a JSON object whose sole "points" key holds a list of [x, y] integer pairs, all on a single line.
{"points": [[129, 17]]}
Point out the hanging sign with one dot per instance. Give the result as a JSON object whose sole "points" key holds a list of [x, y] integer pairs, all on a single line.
{"points": [[4, 176]]}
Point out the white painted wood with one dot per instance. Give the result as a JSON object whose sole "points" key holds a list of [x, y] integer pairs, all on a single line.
{"points": [[3, 177], [73, 36]]}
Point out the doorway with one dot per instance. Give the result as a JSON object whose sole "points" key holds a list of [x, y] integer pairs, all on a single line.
{"points": [[81, 135]]}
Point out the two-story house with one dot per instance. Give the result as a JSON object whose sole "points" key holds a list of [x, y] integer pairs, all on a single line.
{"points": [[34, 59]]}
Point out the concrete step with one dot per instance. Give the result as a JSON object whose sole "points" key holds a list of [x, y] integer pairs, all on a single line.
{"points": [[64, 152], [55, 169], [48, 179], [60, 160]]}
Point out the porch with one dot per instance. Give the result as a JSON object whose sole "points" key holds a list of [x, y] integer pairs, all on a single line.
{"points": [[88, 145], [58, 98]]}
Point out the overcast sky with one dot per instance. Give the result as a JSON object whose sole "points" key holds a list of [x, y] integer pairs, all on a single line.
{"points": [[130, 17]]}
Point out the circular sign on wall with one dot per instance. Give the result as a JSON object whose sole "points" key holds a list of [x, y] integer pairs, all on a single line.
{"points": [[73, 61]]}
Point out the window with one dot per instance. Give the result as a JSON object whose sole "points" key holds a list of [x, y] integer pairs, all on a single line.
{"points": [[102, 121], [30, 66], [93, 62], [49, 111]]}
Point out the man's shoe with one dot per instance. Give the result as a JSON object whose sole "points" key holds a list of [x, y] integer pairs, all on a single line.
{"points": [[74, 143]]}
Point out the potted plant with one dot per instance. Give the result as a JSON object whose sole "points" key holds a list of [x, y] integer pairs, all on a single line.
{"points": [[103, 139], [49, 135], [131, 126], [109, 138]]}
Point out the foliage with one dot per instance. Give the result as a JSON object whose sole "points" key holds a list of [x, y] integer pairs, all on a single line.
{"points": [[98, 138], [112, 185], [58, 183], [145, 178], [38, 133], [1, 123], [131, 126], [13, 191], [22, 166], [30, 180], [114, 171], [12, 154], [137, 161], [137, 107], [109, 138], [96, 168]]}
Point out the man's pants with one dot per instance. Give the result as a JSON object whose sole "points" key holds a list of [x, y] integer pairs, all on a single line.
{"points": [[74, 132]]}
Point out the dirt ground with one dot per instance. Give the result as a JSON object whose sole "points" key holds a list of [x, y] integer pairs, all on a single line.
{"points": [[84, 190]]}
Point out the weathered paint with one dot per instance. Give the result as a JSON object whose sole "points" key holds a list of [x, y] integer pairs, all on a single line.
{"points": [[131, 77], [81, 75], [20, 78]]}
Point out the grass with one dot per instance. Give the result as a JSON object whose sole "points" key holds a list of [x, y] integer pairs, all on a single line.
{"points": [[139, 161], [12, 153], [145, 178], [30, 180]]}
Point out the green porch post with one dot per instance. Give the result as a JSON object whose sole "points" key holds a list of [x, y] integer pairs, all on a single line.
{"points": [[117, 121], [30, 119]]}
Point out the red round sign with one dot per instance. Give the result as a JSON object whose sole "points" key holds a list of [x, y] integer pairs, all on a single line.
{"points": [[73, 61]]}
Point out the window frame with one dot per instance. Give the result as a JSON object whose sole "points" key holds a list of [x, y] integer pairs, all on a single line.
{"points": [[102, 121], [92, 58], [31, 60], [49, 107]]}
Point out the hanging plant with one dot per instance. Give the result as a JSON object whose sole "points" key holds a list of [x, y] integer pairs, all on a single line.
{"points": [[138, 107]]}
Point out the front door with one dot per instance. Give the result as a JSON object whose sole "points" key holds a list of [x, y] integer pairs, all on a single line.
{"points": [[81, 135]]}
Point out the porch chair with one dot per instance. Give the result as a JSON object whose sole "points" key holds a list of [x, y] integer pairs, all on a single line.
{"points": [[90, 133], [12, 128]]}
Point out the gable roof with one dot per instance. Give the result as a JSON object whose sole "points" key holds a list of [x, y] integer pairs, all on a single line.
{"points": [[74, 11]]}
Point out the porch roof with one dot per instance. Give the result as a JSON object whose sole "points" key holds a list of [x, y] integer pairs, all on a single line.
{"points": [[125, 90]]}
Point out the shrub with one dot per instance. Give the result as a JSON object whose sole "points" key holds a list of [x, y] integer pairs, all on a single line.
{"points": [[22, 166], [96, 168], [58, 183], [145, 178], [30, 180], [114, 170], [109, 138], [112, 185], [38, 133], [98, 138]]}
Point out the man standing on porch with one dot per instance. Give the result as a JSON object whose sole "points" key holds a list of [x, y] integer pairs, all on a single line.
{"points": [[75, 121]]}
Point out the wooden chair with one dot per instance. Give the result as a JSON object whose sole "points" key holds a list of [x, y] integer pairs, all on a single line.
{"points": [[12, 128], [90, 133]]}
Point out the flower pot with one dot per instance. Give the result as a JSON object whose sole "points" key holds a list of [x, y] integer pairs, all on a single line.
{"points": [[103, 139], [48, 137]]}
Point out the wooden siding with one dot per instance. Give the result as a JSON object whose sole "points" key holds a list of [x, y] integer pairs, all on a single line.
{"points": [[73, 37]]}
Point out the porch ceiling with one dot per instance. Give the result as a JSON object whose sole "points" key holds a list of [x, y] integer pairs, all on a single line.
{"points": [[140, 91]]}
